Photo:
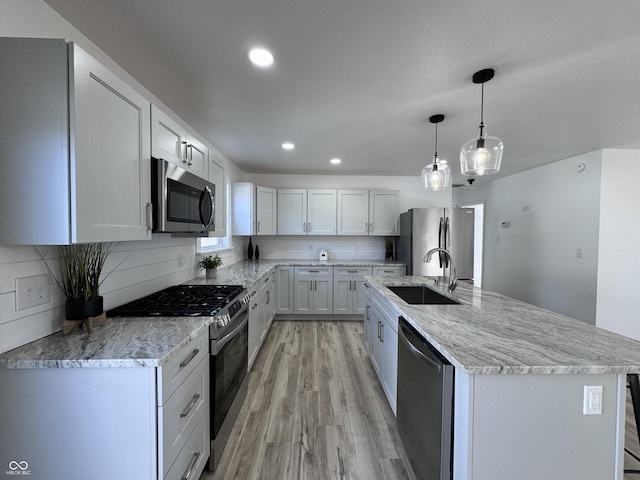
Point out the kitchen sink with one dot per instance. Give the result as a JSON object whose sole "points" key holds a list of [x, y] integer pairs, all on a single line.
{"points": [[421, 295]]}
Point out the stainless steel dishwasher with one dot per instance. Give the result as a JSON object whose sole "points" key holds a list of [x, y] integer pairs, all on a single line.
{"points": [[425, 405]]}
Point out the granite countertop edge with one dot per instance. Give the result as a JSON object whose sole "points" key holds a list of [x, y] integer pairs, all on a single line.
{"points": [[489, 333]]}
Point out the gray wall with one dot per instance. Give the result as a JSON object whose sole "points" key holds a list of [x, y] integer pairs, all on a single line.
{"points": [[553, 210]]}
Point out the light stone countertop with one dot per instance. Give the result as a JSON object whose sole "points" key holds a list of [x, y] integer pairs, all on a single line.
{"points": [[143, 342], [490, 333]]}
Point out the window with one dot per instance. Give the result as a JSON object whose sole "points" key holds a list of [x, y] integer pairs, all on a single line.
{"points": [[212, 244]]}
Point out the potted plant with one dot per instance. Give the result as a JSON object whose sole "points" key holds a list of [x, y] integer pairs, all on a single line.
{"points": [[210, 263], [81, 266]]}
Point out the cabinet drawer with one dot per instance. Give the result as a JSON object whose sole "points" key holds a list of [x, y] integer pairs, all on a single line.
{"points": [[388, 271], [314, 271], [345, 271], [179, 415], [194, 454], [181, 364]]}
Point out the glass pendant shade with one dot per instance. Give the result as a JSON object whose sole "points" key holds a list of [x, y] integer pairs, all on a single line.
{"points": [[481, 155], [436, 176]]}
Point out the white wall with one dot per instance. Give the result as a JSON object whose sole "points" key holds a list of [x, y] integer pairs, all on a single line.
{"points": [[619, 254], [553, 210]]}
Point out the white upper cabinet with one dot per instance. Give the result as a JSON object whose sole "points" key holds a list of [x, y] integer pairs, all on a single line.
{"points": [[254, 209], [173, 143], [384, 212], [80, 138], [217, 177], [306, 212], [368, 212], [266, 211], [353, 212]]}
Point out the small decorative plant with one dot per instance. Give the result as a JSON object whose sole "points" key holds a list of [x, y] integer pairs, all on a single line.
{"points": [[210, 263]]}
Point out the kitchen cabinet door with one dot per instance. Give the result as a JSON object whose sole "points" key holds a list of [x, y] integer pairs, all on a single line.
{"points": [[254, 333], [353, 212], [343, 294], [304, 295], [284, 290], [376, 352], [74, 139], [175, 144], [348, 289], [390, 371], [266, 211], [323, 295], [217, 177], [321, 212], [367, 317], [313, 290], [292, 212], [384, 212]]}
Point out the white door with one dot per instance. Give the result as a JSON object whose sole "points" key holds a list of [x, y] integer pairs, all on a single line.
{"points": [[168, 139], [266, 201], [284, 290], [323, 295], [343, 294], [111, 191], [304, 295], [321, 212], [197, 157], [353, 212], [292, 212], [384, 212]]}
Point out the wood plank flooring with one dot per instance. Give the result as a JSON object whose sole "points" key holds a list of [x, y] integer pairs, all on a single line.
{"points": [[315, 410]]}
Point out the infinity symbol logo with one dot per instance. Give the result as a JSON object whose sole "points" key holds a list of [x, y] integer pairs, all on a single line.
{"points": [[13, 465]]}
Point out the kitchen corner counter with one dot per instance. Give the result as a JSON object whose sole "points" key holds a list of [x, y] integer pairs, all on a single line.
{"points": [[490, 333], [248, 272], [121, 342]]}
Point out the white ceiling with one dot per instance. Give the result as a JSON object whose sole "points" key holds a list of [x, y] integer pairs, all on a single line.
{"points": [[358, 79]]}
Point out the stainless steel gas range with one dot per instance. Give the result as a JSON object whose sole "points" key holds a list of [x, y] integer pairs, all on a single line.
{"points": [[228, 345]]}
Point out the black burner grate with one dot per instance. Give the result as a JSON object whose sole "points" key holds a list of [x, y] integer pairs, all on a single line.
{"points": [[180, 300]]}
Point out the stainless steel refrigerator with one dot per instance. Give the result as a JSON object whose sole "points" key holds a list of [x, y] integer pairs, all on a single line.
{"points": [[422, 229]]}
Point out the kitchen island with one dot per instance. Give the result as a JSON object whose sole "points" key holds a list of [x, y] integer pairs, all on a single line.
{"points": [[520, 373]]}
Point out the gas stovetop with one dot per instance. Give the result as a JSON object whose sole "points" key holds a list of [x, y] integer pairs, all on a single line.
{"points": [[180, 300]]}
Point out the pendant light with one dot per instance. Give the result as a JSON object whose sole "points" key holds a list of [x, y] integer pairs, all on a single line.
{"points": [[436, 176], [482, 155]]}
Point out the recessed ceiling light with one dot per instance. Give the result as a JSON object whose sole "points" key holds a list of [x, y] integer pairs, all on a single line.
{"points": [[288, 146], [335, 161], [261, 57]]}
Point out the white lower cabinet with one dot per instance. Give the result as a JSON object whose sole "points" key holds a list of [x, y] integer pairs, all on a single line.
{"points": [[313, 290], [348, 289], [254, 329], [381, 338], [129, 423], [262, 310], [284, 290]]}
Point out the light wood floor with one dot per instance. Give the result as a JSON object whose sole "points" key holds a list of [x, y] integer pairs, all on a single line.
{"points": [[315, 410]]}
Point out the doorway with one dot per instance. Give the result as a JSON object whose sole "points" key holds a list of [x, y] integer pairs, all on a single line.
{"points": [[478, 236]]}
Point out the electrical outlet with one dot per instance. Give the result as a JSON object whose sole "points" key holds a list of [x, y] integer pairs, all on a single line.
{"points": [[592, 402], [32, 291]]}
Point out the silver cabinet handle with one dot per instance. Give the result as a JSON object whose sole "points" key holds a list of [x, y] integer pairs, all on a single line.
{"points": [[379, 330], [149, 216], [315, 285], [304, 227], [308, 227], [268, 297], [366, 227], [254, 306], [371, 228], [184, 152], [258, 227], [313, 271], [192, 404], [367, 312], [382, 332], [352, 271], [191, 356], [192, 464]]}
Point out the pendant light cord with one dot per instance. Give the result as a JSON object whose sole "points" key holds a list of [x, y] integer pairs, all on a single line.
{"points": [[436, 150], [482, 111]]}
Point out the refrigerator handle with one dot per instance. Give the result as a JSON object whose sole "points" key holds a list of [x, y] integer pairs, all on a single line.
{"points": [[440, 240], [447, 240]]}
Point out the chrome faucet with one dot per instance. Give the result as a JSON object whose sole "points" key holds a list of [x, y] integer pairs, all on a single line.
{"points": [[453, 278]]}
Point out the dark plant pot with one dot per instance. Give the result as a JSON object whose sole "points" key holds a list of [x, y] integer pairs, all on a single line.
{"points": [[83, 309]]}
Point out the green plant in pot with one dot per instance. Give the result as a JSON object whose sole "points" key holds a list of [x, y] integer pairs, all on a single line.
{"points": [[210, 264], [81, 266]]}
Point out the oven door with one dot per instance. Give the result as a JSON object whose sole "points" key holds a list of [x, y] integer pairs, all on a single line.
{"points": [[229, 357], [182, 202]]}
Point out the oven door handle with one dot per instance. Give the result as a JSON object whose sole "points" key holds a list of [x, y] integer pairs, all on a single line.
{"points": [[219, 344]]}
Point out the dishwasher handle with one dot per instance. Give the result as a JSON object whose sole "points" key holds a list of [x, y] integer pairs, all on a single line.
{"points": [[434, 363]]}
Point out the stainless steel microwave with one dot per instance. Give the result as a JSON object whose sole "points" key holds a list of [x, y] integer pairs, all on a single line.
{"points": [[182, 202]]}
